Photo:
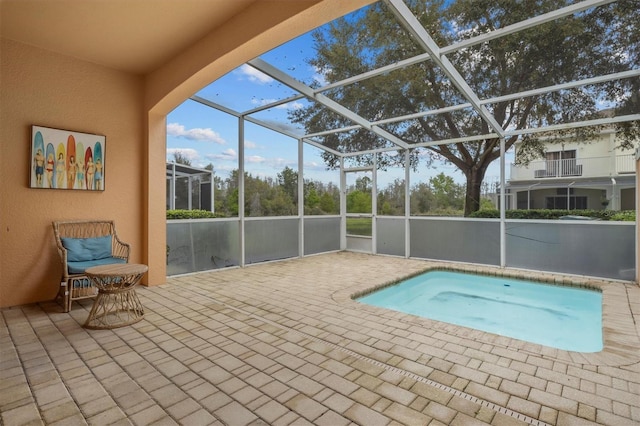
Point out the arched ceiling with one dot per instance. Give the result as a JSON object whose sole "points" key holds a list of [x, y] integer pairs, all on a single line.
{"points": [[135, 36]]}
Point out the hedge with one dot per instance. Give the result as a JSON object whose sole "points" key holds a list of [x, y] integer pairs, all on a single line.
{"points": [[191, 214], [627, 215]]}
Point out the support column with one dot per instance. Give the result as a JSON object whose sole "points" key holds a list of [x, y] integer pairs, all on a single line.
{"points": [[637, 217], [213, 192], [300, 198], [241, 188], [154, 228], [407, 204], [503, 227], [172, 190], [343, 206], [374, 206]]}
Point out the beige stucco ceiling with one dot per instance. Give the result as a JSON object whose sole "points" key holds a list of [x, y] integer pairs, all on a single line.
{"points": [[134, 36]]}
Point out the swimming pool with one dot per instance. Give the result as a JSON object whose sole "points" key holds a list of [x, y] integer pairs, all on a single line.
{"points": [[557, 316]]}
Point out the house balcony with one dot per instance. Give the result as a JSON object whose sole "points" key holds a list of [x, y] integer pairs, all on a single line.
{"points": [[591, 167]]}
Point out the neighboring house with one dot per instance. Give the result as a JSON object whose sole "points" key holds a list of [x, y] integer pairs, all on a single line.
{"points": [[189, 188], [594, 174]]}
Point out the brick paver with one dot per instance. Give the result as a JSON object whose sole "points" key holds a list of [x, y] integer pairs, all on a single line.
{"points": [[284, 344]]}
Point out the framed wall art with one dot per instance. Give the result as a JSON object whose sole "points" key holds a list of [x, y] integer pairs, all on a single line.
{"points": [[63, 159]]}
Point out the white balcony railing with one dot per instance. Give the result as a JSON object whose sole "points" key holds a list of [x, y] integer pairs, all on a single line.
{"points": [[575, 167], [625, 164]]}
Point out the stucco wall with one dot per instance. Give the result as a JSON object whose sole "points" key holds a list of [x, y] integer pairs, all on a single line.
{"points": [[44, 88]]}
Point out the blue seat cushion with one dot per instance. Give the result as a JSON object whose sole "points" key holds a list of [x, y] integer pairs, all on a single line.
{"points": [[81, 266], [82, 282], [83, 249]]}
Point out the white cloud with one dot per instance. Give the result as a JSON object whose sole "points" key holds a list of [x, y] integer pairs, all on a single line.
{"points": [[292, 105], [253, 75], [280, 163], [262, 102], [195, 134], [250, 145], [255, 159], [226, 155], [223, 169], [314, 165], [277, 163]]}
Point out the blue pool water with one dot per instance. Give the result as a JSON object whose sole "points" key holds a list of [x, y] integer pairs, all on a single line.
{"points": [[561, 317]]}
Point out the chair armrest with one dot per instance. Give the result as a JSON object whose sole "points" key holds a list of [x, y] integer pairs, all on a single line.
{"points": [[63, 259], [120, 249]]}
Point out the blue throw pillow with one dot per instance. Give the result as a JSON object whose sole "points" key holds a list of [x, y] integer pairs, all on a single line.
{"points": [[100, 247], [76, 251], [83, 249]]}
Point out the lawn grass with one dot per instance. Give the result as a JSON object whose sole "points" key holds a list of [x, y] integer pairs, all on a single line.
{"points": [[359, 226]]}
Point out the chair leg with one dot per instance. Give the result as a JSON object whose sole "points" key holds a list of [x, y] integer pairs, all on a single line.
{"points": [[65, 294], [67, 301]]}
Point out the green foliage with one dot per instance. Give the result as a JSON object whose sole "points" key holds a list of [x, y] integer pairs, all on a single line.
{"points": [[486, 204], [312, 200], [422, 198], [385, 208], [486, 214], [328, 204], [391, 199], [288, 181], [191, 214], [270, 197], [441, 196], [443, 212], [557, 214], [624, 216], [279, 204], [232, 203], [447, 193], [359, 202]]}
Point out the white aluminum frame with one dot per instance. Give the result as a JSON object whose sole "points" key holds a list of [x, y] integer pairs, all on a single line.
{"points": [[434, 53]]}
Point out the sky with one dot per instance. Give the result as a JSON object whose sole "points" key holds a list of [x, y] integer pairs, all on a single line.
{"points": [[205, 135]]}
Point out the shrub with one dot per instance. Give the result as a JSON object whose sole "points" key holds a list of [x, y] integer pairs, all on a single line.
{"points": [[191, 214], [629, 215], [486, 213], [625, 216]]}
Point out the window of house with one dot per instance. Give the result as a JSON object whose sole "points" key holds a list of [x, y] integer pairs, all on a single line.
{"points": [[560, 202], [561, 155]]}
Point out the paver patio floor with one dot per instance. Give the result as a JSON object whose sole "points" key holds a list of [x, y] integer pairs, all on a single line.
{"points": [[282, 343]]}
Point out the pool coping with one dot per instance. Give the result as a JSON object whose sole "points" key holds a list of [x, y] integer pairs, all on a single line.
{"points": [[621, 343]]}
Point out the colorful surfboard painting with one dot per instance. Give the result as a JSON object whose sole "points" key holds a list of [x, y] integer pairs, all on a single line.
{"points": [[71, 160]]}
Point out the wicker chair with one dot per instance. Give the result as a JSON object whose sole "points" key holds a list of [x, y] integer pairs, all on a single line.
{"points": [[74, 285]]}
